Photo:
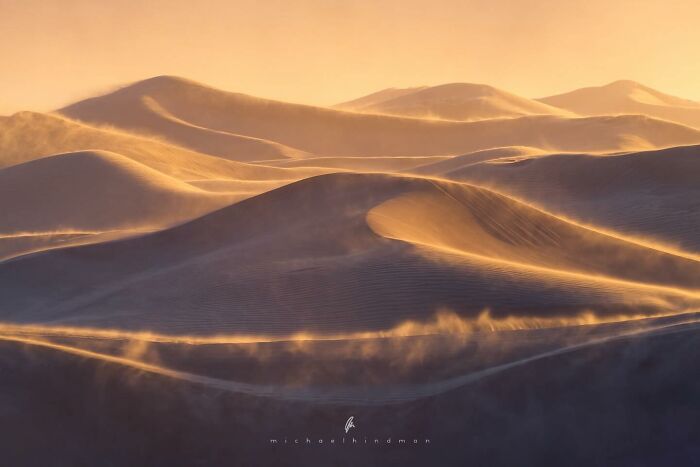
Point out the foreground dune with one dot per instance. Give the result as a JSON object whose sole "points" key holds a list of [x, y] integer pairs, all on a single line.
{"points": [[649, 194], [357, 252], [628, 97], [328, 132], [55, 401], [456, 101]]}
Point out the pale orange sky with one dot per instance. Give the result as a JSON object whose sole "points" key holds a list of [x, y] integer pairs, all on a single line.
{"points": [[326, 51]]}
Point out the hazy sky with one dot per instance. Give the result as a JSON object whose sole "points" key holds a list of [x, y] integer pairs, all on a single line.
{"points": [[325, 51]]}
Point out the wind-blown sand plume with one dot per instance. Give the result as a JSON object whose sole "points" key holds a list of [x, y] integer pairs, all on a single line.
{"points": [[29, 135], [628, 97], [452, 164], [329, 271], [224, 410], [362, 164], [455, 101], [650, 194], [140, 352], [328, 132]]}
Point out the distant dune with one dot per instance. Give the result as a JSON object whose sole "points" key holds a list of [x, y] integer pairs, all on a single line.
{"points": [[377, 98], [146, 108], [456, 101], [347, 252], [654, 193], [26, 136], [628, 97], [328, 132]]}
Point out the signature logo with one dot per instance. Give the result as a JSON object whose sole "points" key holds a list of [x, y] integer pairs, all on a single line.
{"points": [[349, 424]]}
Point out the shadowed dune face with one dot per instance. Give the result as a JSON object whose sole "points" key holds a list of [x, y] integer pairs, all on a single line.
{"points": [[457, 101], [327, 132], [339, 267], [628, 97], [650, 194]]}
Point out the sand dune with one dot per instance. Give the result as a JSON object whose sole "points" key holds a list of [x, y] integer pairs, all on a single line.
{"points": [[628, 97], [328, 132], [65, 198], [455, 101], [26, 136], [652, 194], [358, 252]]}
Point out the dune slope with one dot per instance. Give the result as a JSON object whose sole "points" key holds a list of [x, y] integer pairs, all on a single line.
{"points": [[68, 197]]}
